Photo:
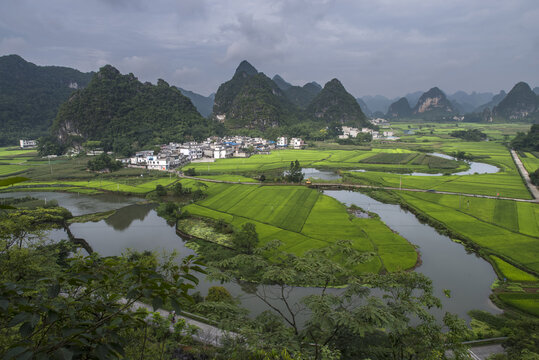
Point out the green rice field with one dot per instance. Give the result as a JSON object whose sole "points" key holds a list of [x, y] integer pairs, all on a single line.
{"points": [[376, 158], [530, 161], [502, 227], [511, 272], [523, 301], [304, 219]]}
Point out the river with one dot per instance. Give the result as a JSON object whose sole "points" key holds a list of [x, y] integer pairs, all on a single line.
{"points": [[137, 227], [475, 168]]}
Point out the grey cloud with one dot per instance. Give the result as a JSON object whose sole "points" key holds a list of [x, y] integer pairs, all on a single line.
{"points": [[374, 46]]}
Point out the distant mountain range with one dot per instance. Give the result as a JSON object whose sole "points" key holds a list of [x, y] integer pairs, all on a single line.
{"points": [[119, 110], [521, 103], [30, 96], [251, 100], [204, 104]]}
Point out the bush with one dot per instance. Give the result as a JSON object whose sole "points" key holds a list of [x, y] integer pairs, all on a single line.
{"points": [[190, 172], [219, 294], [160, 190], [104, 162]]}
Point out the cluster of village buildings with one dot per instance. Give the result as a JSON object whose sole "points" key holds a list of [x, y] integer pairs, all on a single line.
{"points": [[351, 132], [175, 155]]}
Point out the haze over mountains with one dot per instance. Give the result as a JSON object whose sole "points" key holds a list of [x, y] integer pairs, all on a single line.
{"points": [[31, 96]]}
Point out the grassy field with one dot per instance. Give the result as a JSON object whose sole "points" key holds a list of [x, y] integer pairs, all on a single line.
{"points": [[523, 301], [304, 219], [530, 161], [492, 224], [377, 158], [512, 273]]}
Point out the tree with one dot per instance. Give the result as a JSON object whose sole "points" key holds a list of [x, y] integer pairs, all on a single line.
{"points": [[160, 190], [56, 306], [350, 321], [177, 189], [219, 294], [190, 172], [246, 240], [295, 173], [104, 162]]}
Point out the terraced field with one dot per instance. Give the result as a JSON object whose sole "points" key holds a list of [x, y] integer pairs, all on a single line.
{"points": [[304, 219]]}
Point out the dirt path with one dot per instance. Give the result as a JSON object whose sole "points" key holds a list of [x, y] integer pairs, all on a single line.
{"points": [[524, 173]]}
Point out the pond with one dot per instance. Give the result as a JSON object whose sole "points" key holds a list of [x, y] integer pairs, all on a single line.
{"points": [[138, 227]]}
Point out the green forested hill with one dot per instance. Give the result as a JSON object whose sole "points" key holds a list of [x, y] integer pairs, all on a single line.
{"points": [[302, 96], [204, 104], [521, 103], [335, 105], [252, 100], [400, 109], [30, 96], [125, 114]]}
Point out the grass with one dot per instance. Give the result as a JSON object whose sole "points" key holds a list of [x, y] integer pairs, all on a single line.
{"points": [[492, 224], [304, 219], [524, 301], [386, 159], [530, 161], [511, 272]]}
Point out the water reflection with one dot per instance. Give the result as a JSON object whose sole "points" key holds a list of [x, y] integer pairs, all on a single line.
{"points": [[124, 217]]}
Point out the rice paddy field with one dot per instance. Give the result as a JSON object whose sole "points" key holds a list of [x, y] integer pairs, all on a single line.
{"points": [[385, 159], [304, 219], [505, 228], [529, 160]]}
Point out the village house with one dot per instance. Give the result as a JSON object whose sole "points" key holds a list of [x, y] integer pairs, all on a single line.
{"points": [[297, 143], [28, 144], [282, 141]]}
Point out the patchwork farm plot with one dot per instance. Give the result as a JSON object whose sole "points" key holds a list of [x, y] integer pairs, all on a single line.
{"points": [[382, 159], [304, 219], [504, 228], [530, 160]]}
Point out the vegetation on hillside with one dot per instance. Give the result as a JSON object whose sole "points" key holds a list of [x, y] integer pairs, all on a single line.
{"points": [[126, 115], [527, 141], [335, 105], [521, 103], [30, 96]]}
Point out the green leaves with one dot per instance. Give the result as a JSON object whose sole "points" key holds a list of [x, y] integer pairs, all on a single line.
{"points": [[86, 307]]}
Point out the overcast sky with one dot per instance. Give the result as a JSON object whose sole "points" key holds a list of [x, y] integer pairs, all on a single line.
{"points": [[387, 47]]}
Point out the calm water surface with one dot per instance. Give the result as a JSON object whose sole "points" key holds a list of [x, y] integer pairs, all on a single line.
{"points": [[139, 228]]}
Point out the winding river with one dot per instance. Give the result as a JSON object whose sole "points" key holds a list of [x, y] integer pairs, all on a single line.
{"points": [[137, 226], [475, 168]]}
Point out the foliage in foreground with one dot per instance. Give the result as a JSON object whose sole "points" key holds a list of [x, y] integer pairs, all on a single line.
{"points": [[349, 323]]}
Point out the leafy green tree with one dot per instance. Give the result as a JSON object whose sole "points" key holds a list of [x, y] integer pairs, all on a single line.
{"points": [[104, 162], [160, 190], [338, 320], [219, 294], [190, 172], [177, 189], [83, 310], [246, 239], [295, 173]]}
